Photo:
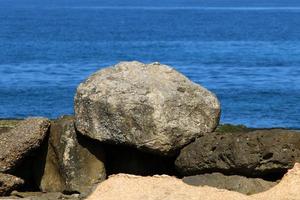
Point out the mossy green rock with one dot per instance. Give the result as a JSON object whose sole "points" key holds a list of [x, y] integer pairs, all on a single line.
{"points": [[7, 124], [229, 128]]}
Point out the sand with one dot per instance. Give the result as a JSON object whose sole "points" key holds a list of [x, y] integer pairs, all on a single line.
{"points": [[130, 187]]}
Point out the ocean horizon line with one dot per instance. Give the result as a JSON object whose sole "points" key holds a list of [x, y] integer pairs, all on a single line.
{"points": [[230, 8]]}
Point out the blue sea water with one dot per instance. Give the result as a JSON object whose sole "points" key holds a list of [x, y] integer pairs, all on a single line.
{"points": [[247, 52]]}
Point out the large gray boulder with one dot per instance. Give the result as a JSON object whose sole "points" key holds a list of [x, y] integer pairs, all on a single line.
{"points": [[73, 163], [261, 153], [8, 183], [20, 141], [149, 106], [233, 183]]}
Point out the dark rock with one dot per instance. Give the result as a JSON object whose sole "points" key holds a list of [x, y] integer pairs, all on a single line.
{"points": [[44, 196], [149, 106], [234, 183], [20, 141], [28, 168], [74, 164], [261, 153], [8, 183]]}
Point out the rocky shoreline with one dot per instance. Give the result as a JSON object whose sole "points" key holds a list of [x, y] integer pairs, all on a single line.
{"points": [[143, 120]]}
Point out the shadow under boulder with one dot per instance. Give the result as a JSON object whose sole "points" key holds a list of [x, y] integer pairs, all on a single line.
{"points": [[129, 160]]}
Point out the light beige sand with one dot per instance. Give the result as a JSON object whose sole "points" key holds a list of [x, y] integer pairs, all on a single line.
{"points": [[287, 189], [129, 187]]}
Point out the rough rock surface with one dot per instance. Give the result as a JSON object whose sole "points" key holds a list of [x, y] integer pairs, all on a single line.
{"points": [[234, 183], [257, 153], [73, 163], [7, 124], [164, 187], [17, 143], [8, 183], [149, 106], [42, 196]]}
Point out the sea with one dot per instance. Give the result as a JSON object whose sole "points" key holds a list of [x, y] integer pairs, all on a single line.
{"points": [[246, 51]]}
